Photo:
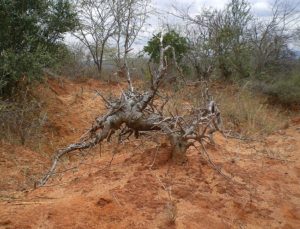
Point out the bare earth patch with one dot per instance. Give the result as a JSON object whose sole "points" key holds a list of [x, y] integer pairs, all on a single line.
{"points": [[141, 190]]}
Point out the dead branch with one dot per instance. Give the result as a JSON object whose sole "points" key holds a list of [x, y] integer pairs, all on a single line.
{"points": [[134, 112]]}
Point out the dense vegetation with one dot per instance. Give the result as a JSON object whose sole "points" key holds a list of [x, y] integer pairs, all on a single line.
{"points": [[31, 35], [31, 32]]}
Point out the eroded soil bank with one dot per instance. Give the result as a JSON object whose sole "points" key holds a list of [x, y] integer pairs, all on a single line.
{"points": [[136, 191]]}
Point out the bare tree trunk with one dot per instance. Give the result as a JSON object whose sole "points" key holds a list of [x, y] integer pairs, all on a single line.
{"points": [[98, 69], [101, 61]]}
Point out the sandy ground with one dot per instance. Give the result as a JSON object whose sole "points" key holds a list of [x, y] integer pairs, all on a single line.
{"points": [[139, 190]]}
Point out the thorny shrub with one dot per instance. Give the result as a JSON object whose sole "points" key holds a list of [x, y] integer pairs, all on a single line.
{"points": [[21, 118]]}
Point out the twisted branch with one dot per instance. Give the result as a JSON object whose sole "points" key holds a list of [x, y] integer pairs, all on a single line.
{"points": [[134, 112]]}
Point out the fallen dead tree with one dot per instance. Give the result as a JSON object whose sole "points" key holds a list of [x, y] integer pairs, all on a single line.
{"points": [[134, 112]]}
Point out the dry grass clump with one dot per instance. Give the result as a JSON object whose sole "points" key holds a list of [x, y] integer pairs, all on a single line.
{"points": [[242, 111], [248, 113], [171, 212]]}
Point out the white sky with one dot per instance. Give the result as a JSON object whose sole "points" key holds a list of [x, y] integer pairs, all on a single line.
{"points": [[260, 8]]}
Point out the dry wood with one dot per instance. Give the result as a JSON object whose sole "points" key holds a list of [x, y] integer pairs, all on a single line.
{"points": [[136, 111]]}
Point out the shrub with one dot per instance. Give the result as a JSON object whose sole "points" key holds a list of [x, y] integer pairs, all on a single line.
{"points": [[22, 118], [287, 89], [30, 32]]}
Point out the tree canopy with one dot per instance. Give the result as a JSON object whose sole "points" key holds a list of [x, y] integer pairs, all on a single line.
{"points": [[30, 32], [171, 38]]}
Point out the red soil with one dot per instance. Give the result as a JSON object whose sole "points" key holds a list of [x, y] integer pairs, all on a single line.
{"points": [[134, 192]]}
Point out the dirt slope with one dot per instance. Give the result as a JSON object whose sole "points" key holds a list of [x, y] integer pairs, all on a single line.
{"points": [[136, 191]]}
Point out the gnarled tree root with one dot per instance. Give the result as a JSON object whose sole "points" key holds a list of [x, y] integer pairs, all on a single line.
{"points": [[135, 112]]}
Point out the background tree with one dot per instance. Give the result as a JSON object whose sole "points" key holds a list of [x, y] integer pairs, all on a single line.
{"points": [[172, 39], [218, 39], [30, 32], [270, 38], [97, 25], [230, 39], [199, 54], [235, 45], [104, 21], [130, 17]]}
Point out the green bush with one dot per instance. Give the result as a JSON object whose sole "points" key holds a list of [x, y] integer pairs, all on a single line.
{"points": [[171, 38], [30, 32], [286, 89]]}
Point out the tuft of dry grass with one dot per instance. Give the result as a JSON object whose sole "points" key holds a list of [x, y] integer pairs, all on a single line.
{"points": [[171, 212], [242, 110], [248, 113]]}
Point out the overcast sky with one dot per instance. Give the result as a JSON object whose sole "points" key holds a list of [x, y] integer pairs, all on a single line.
{"points": [[259, 8]]}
